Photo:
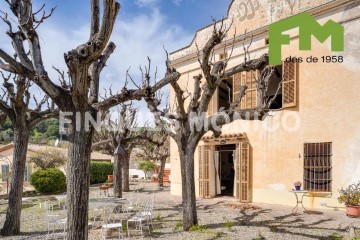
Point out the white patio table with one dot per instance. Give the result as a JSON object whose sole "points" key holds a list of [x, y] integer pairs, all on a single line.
{"points": [[299, 194]]}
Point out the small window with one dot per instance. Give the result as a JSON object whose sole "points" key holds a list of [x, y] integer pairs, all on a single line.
{"points": [[223, 56], [266, 41], [5, 169], [318, 167], [27, 173], [225, 92]]}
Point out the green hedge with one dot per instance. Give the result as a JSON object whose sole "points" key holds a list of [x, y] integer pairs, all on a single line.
{"points": [[50, 180], [99, 171]]}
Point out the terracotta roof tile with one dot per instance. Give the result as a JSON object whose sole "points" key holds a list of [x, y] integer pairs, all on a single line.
{"points": [[6, 147], [228, 135]]}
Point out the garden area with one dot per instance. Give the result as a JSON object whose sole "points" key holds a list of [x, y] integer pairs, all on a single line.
{"points": [[100, 123], [220, 218]]}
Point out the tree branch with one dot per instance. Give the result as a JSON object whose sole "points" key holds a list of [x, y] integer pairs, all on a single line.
{"points": [[37, 117], [95, 70], [95, 17], [127, 95], [13, 66]]}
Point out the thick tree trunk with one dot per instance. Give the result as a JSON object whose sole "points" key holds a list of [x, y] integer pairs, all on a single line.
{"points": [[78, 182], [12, 222], [118, 176], [188, 187], [161, 173], [126, 166]]}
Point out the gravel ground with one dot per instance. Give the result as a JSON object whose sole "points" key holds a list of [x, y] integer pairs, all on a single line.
{"points": [[220, 218]]}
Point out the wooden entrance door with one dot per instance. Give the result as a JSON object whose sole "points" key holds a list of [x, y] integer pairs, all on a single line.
{"points": [[243, 178], [206, 167]]}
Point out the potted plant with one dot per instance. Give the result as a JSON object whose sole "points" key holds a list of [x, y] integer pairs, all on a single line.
{"points": [[350, 196], [154, 178], [110, 177], [297, 185], [109, 183]]}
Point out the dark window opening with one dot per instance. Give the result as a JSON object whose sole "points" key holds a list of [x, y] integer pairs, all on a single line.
{"points": [[225, 92], [266, 41], [274, 82], [223, 56]]}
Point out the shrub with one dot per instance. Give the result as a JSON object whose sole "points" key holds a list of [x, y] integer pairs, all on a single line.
{"points": [[49, 180], [48, 158], [146, 166], [99, 171], [350, 195]]}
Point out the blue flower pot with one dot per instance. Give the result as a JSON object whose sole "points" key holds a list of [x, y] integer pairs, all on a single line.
{"points": [[297, 188]]}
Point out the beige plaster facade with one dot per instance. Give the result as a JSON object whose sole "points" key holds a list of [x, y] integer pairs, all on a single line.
{"points": [[326, 109]]}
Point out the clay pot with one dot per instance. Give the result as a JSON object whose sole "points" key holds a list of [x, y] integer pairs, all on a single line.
{"points": [[353, 211]]}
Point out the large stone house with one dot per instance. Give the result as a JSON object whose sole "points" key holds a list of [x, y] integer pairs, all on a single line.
{"points": [[312, 133]]}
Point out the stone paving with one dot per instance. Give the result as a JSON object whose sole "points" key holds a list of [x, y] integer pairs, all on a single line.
{"points": [[219, 218]]}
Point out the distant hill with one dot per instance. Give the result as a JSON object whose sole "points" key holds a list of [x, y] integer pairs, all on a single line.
{"points": [[43, 132]]}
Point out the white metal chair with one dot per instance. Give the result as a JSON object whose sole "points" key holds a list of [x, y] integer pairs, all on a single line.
{"points": [[111, 223], [54, 220], [133, 202], [143, 219], [61, 199], [97, 221], [148, 209], [49, 210], [140, 221], [54, 224]]}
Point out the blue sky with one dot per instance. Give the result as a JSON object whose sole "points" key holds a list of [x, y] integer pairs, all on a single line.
{"points": [[141, 30], [189, 14]]}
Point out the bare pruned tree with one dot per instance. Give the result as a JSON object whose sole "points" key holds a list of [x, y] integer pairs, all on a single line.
{"points": [[15, 104], [120, 132], [188, 124], [156, 148], [78, 97]]}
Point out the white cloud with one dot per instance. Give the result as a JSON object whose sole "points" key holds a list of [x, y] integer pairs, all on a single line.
{"points": [[177, 2], [145, 3], [153, 3]]}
